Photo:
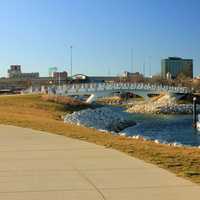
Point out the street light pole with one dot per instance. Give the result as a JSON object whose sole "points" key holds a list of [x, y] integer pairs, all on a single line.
{"points": [[132, 69], [59, 79], [150, 66], [194, 124], [144, 68], [71, 60]]}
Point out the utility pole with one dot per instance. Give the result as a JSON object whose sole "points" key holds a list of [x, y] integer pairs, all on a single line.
{"points": [[71, 60], [150, 66], [144, 69], [132, 69], [59, 79], [109, 71]]}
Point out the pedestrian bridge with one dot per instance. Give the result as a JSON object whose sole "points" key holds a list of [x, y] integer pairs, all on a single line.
{"points": [[97, 90]]}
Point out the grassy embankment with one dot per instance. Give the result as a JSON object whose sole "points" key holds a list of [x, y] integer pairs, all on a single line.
{"points": [[35, 112]]}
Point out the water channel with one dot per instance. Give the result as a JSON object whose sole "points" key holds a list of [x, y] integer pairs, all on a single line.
{"points": [[174, 129]]}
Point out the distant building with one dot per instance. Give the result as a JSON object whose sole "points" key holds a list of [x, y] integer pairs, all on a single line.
{"points": [[16, 73], [197, 77], [52, 70], [130, 74], [60, 77], [31, 75], [174, 66], [168, 76], [102, 79], [81, 78], [14, 70], [136, 76]]}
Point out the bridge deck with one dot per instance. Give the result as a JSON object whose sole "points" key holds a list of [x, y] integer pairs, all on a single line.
{"points": [[75, 89]]}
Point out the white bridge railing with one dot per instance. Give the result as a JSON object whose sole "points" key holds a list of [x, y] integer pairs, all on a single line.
{"points": [[90, 88]]}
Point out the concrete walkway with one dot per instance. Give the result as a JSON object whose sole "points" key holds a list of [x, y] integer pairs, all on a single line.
{"points": [[41, 166]]}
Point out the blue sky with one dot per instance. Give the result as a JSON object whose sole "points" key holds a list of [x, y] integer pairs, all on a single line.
{"points": [[38, 33]]}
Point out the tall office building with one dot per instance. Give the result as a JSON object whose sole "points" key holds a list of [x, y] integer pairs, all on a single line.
{"points": [[174, 66]]}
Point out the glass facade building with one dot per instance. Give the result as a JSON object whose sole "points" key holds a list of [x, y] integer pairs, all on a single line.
{"points": [[175, 66]]}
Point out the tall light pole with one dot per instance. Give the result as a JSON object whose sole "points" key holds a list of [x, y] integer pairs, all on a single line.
{"points": [[59, 79], [71, 60], [144, 68], [150, 66], [132, 60], [194, 124]]}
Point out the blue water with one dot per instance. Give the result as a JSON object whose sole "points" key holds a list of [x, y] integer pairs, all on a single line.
{"points": [[165, 129]]}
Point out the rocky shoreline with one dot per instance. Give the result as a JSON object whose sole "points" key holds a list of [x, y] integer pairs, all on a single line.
{"points": [[167, 109], [163, 105], [115, 120], [103, 119]]}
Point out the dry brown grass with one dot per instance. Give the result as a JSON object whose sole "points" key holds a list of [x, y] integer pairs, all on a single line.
{"points": [[110, 100], [63, 100], [33, 112]]}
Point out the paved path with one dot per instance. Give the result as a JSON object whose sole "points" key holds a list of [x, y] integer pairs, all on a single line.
{"points": [[41, 166]]}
